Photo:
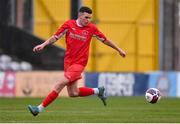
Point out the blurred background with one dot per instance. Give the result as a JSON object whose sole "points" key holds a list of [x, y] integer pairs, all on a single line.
{"points": [[148, 30]]}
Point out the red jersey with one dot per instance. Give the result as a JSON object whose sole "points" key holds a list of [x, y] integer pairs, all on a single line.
{"points": [[78, 41]]}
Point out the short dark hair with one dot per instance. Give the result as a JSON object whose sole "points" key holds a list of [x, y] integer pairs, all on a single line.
{"points": [[85, 9]]}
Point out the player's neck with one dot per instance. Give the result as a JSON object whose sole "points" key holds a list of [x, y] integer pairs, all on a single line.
{"points": [[78, 23]]}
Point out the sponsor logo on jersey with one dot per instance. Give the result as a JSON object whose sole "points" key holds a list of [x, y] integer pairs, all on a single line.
{"points": [[77, 37]]}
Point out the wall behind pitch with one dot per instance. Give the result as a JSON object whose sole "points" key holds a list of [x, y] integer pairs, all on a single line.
{"points": [[166, 82], [135, 84], [178, 84], [119, 84], [38, 83], [7, 84]]}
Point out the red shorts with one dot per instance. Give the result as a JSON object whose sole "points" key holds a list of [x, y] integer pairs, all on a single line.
{"points": [[73, 72]]}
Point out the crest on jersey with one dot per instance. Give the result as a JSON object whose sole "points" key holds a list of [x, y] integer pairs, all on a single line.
{"points": [[84, 32]]}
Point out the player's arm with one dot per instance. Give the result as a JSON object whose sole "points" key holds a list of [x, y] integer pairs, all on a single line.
{"points": [[47, 42], [114, 46], [100, 36], [59, 33]]}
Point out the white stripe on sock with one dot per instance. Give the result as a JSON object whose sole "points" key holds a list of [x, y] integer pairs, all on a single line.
{"points": [[96, 91], [41, 108]]}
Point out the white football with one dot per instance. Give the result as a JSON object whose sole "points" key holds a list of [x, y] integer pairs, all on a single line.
{"points": [[153, 95]]}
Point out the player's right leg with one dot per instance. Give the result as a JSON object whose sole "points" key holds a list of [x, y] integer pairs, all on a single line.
{"points": [[74, 91], [73, 73], [35, 110], [100, 92], [102, 95]]}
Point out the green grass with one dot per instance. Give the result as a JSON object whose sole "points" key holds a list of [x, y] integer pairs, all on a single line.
{"points": [[91, 110]]}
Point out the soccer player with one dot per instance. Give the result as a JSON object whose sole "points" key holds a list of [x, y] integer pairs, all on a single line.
{"points": [[78, 34]]}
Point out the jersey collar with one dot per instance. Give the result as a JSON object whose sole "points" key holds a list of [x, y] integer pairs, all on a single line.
{"points": [[77, 22]]}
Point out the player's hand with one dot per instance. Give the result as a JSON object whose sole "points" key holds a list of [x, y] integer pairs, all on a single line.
{"points": [[38, 48], [122, 53]]}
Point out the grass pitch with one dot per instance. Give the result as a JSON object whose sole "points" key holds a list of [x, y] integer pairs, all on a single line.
{"points": [[91, 110]]}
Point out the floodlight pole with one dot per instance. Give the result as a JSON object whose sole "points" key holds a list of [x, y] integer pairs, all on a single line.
{"points": [[75, 5]]}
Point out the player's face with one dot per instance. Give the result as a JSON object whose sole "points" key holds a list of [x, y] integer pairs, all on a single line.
{"points": [[85, 18]]}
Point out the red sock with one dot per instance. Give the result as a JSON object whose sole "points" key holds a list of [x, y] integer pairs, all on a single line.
{"points": [[85, 91], [50, 98]]}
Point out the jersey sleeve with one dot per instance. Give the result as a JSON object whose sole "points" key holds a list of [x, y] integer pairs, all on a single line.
{"points": [[99, 35], [61, 31]]}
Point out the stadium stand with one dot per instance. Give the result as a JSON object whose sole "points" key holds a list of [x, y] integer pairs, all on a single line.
{"points": [[17, 44], [8, 63]]}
